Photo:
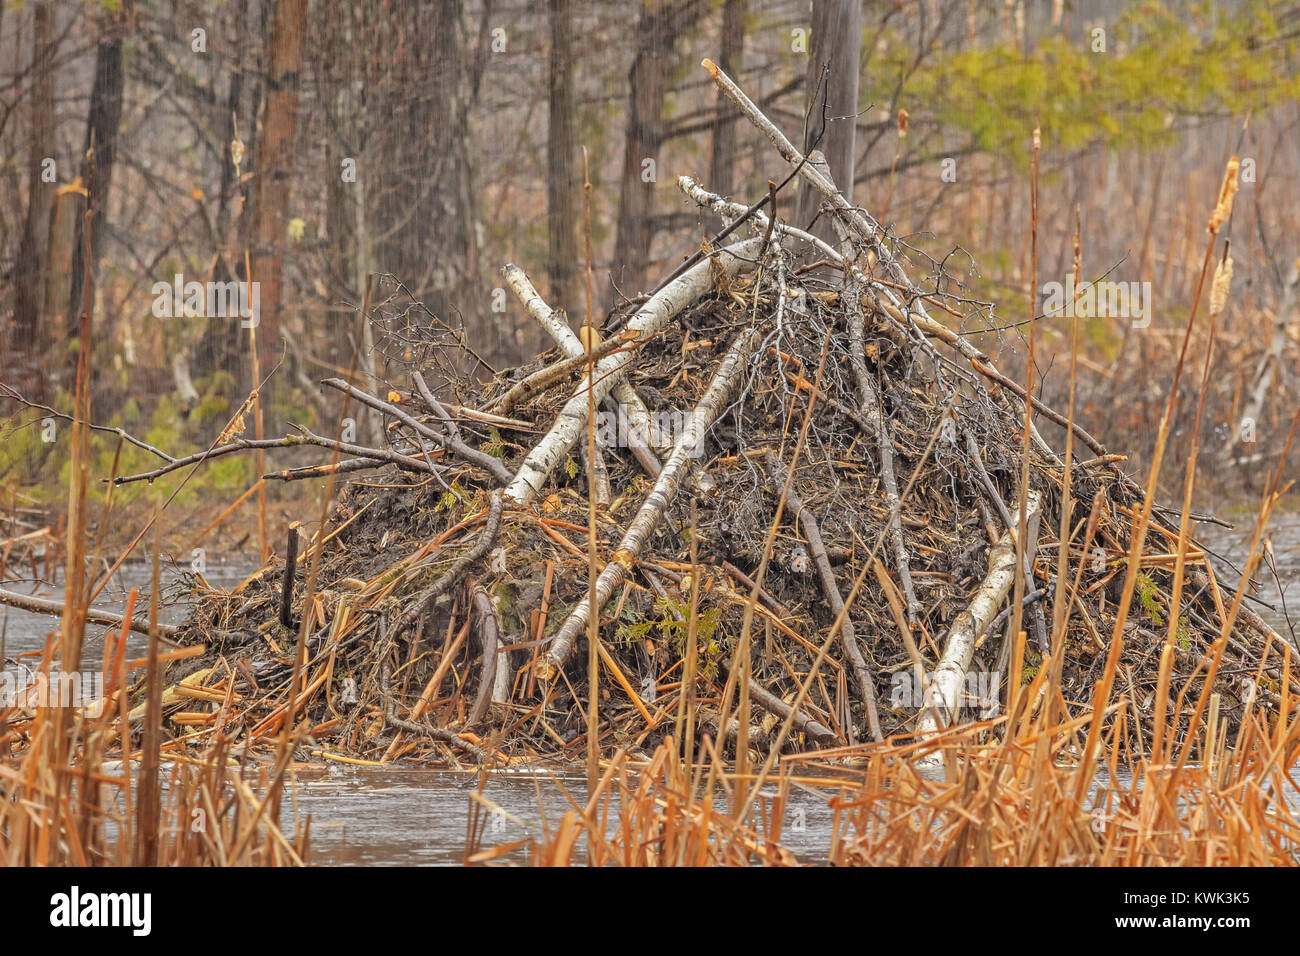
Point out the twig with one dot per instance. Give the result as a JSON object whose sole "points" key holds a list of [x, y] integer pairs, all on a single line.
{"points": [[494, 466]]}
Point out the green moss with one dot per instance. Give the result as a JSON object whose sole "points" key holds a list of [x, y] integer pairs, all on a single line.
{"points": [[1148, 594]]}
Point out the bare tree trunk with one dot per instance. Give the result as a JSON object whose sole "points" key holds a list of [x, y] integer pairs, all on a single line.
{"points": [[218, 349], [562, 183], [837, 43], [104, 119], [274, 170], [656, 31], [722, 164], [425, 223], [30, 266]]}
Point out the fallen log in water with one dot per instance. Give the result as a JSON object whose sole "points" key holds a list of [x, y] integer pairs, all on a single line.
{"points": [[93, 615]]}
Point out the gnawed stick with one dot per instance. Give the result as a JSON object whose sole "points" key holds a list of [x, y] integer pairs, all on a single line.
{"points": [[652, 510], [817, 549], [943, 695], [286, 584], [649, 319], [812, 728], [489, 629]]}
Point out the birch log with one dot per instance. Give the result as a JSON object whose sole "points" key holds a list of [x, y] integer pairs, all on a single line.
{"points": [[571, 422], [943, 696], [638, 416], [688, 446]]}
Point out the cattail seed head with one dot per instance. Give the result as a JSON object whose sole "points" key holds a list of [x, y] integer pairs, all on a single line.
{"points": [[1222, 283], [1226, 194]]}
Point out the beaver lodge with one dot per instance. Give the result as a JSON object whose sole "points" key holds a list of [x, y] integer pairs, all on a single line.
{"points": [[809, 511]]}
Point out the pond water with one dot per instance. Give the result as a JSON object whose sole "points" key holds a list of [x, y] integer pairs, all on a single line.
{"points": [[365, 816]]}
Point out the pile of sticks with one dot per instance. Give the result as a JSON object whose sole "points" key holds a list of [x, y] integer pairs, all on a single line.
{"points": [[822, 512]]}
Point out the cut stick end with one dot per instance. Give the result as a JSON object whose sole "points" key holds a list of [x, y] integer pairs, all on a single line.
{"points": [[545, 669]]}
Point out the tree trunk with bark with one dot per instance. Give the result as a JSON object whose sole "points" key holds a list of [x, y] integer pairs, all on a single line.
{"points": [[562, 215], [31, 265], [275, 171], [424, 217], [656, 32], [837, 45], [103, 122], [722, 163]]}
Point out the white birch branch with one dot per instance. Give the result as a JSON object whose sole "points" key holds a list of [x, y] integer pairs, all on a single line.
{"points": [[571, 422], [711, 405], [638, 416], [943, 695]]}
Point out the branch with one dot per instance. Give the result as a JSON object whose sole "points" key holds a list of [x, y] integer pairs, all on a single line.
{"points": [[943, 695], [8, 391], [43, 606], [711, 405], [649, 319], [552, 320], [288, 441], [494, 466], [543, 379]]}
